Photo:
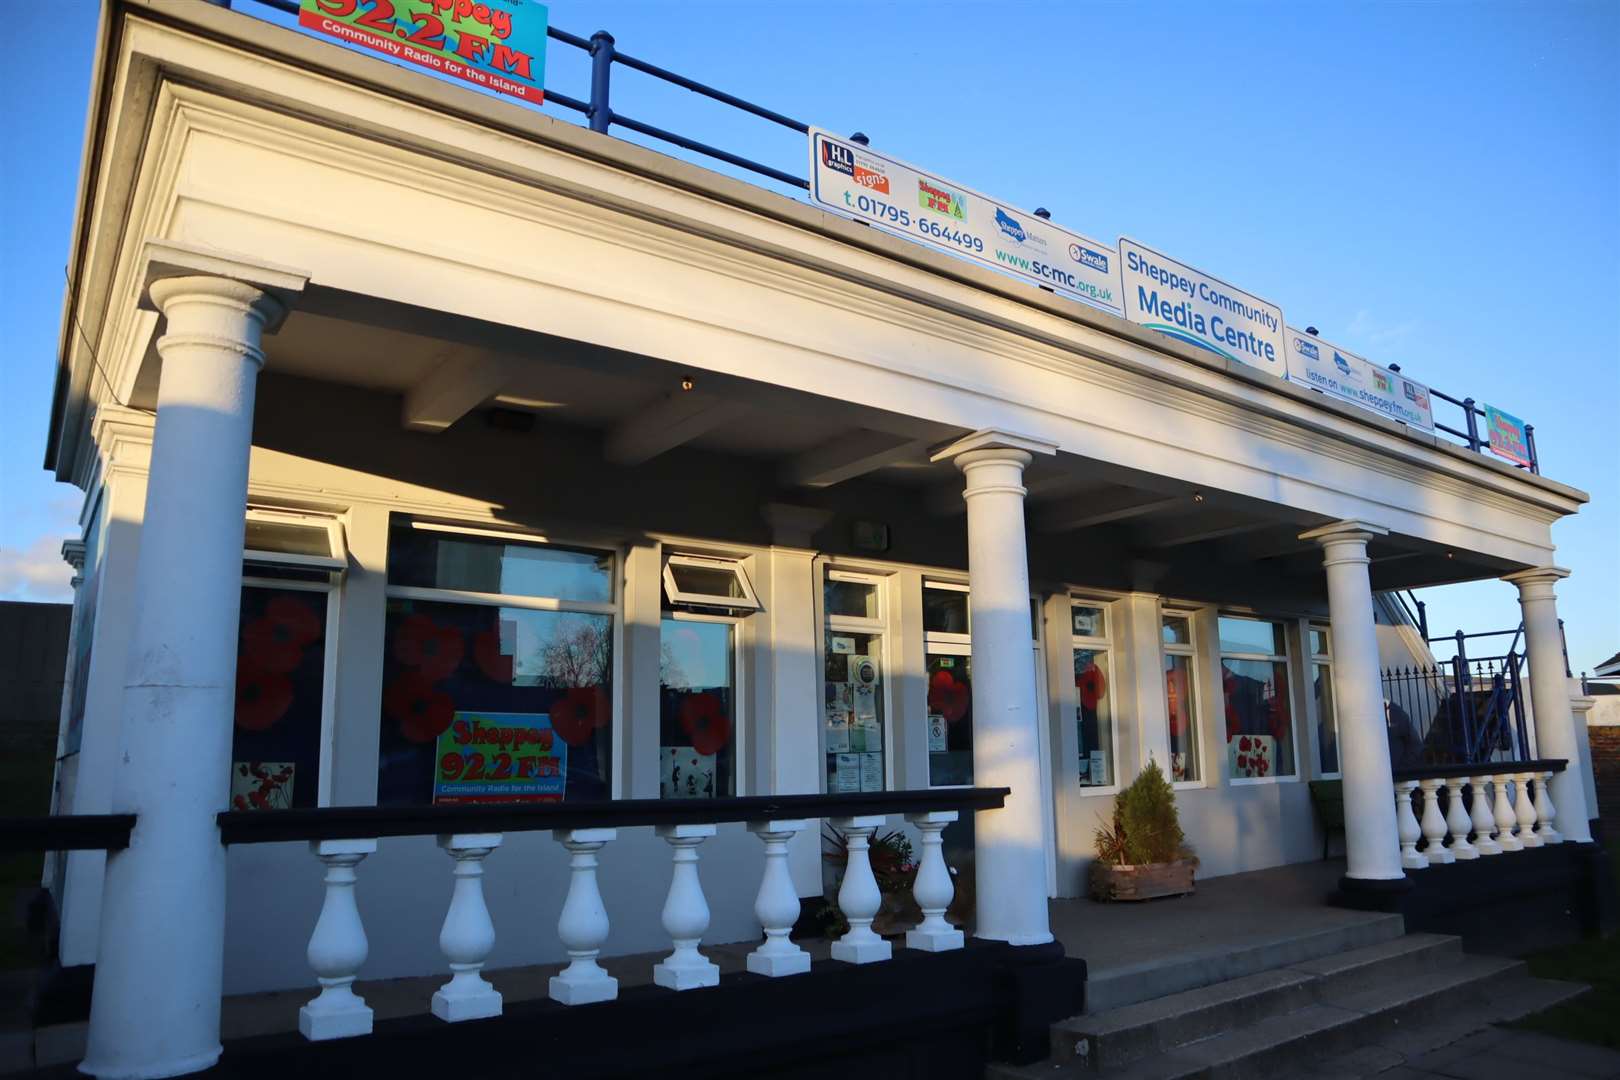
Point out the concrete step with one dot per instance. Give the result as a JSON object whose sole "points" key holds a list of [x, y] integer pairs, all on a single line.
{"points": [[1116, 1037], [1218, 962]]}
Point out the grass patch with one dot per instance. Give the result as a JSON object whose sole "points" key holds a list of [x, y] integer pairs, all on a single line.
{"points": [[1590, 1018]]}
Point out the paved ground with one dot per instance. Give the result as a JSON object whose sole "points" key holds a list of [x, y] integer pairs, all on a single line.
{"points": [[1506, 1054]]}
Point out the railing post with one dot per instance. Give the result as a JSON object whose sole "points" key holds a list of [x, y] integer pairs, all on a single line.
{"points": [[1545, 810], [1483, 819], [1530, 444], [583, 924], [1457, 819], [601, 113], [1406, 826], [686, 913], [1434, 824], [1473, 427], [468, 935], [1524, 808], [338, 947], [1423, 619], [858, 896], [933, 889], [1506, 820], [777, 905]]}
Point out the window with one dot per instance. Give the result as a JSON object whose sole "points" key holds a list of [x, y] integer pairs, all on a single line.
{"points": [[1094, 716], [1327, 723], [948, 659], [696, 581], [1181, 696], [1254, 687], [853, 682], [498, 670]]}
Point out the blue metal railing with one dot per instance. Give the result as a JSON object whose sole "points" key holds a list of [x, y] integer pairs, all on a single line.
{"points": [[1472, 414]]}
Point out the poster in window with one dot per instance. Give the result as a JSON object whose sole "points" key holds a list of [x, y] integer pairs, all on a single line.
{"points": [[494, 757], [863, 671], [1250, 755], [871, 772], [1098, 770], [685, 774], [262, 785], [843, 646], [837, 729], [847, 773], [937, 741]]}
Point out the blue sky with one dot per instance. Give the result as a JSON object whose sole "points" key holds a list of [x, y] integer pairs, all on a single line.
{"points": [[1435, 185]]}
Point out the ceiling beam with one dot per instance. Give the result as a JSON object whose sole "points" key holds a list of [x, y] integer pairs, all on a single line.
{"points": [[1089, 511], [1198, 529], [453, 389], [667, 423], [849, 456]]}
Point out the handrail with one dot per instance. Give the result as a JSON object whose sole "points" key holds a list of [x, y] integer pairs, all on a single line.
{"points": [[66, 832], [351, 822], [1479, 768]]}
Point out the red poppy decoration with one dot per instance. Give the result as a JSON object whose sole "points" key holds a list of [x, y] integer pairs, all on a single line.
{"points": [[704, 718], [578, 713], [948, 696], [276, 640], [1092, 685], [434, 651], [422, 713], [496, 666], [262, 697]]}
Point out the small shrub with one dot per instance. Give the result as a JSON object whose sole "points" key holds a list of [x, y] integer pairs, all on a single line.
{"points": [[1145, 828]]}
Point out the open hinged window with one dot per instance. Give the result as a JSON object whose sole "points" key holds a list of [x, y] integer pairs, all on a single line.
{"points": [[282, 539], [706, 582]]}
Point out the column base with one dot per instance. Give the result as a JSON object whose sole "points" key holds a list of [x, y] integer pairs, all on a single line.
{"points": [[1036, 986], [453, 1010], [1372, 894], [583, 991]]}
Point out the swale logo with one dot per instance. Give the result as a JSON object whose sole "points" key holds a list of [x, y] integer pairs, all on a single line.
{"points": [[1307, 348], [1087, 257], [1009, 225]]}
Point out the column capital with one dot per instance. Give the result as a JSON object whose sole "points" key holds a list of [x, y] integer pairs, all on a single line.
{"points": [[266, 287], [1340, 531], [73, 554], [1536, 575], [991, 439], [1582, 703]]}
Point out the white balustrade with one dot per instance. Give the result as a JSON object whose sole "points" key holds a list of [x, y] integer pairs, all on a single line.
{"points": [[777, 905], [1434, 824], [1406, 827], [933, 889], [1484, 821], [1457, 819], [858, 897], [1525, 808], [338, 946], [1546, 811], [583, 925], [468, 936], [686, 913], [1505, 818]]}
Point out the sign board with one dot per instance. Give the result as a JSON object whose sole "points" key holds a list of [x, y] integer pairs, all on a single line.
{"points": [[852, 180], [492, 757], [1189, 305], [1326, 367], [497, 44], [1508, 437]]}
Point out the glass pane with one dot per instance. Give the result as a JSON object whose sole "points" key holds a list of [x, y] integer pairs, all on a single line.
{"points": [[1327, 724], [287, 538], [950, 720], [1251, 636], [945, 611], [853, 712], [427, 559], [697, 694], [1177, 630], [1094, 718], [280, 679], [1180, 695], [494, 704], [1088, 621], [855, 599], [1319, 642], [1259, 722], [707, 580]]}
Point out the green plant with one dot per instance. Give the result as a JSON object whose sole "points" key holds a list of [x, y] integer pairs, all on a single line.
{"points": [[1145, 826]]}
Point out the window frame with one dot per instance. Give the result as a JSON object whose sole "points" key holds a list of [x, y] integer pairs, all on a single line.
{"points": [[739, 690], [881, 628], [1314, 660], [675, 595], [327, 746], [1195, 710], [1287, 660], [1105, 645], [336, 563]]}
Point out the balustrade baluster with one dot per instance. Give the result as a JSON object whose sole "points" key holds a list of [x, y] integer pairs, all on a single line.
{"points": [[338, 946], [859, 897], [777, 905], [1505, 819], [468, 936], [1546, 811], [1524, 807], [583, 924], [1457, 819], [1434, 823], [1484, 821], [686, 913], [1406, 827], [933, 889]]}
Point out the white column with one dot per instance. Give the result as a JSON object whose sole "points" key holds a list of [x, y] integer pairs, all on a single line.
{"points": [[1011, 852], [1549, 694], [1457, 820], [1407, 829], [468, 935], [1358, 701], [686, 913], [859, 897], [583, 925], [1484, 819], [1434, 823], [159, 970], [1524, 809], [933, 889], [777, 905], [1503, 811], [338, 947]]}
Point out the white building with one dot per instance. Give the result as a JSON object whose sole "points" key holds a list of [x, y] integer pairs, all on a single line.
{"points": [[397, 407]]}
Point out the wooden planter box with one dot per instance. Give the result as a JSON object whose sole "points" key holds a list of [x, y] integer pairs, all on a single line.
{"points": [[1143, 882]]}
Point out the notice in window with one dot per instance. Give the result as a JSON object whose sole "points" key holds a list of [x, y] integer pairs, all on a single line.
{"points": [[871, 772], [847, 773], [837, 729]]}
